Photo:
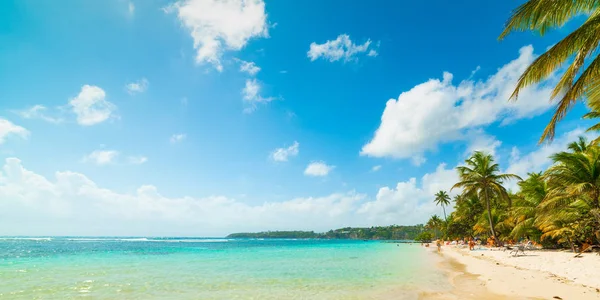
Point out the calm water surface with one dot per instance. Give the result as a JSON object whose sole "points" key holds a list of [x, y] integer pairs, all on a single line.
{"points": [[187, 268]]}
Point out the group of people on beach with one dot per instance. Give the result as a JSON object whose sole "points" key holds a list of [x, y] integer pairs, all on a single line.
{"points": [[473, 242]]}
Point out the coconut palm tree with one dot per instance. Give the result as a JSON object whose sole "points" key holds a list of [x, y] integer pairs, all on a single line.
{"points": [[480, 177], [571, 208], [467, 210], [524, 211], [442, 199], [434, 223], [580, 49], [575, 175]]}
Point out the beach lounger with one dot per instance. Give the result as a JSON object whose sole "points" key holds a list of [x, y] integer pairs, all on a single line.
{"points": [[585, 248], [517, 249]]}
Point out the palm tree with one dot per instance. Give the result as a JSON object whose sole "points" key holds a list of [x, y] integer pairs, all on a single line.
{"points": [[579, 48], [571, 209], [434, 223], [575, 175], [480, 177], [442, 199], [467, 210], [524, 211]]}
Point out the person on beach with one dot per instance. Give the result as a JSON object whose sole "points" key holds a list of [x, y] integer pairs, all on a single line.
{"points": [[439, 245], [471, 245]]}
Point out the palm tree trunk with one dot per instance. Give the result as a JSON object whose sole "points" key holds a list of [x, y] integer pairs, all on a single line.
{"points": [[489, 211], [444, 208], [445, 220], [571, 243]]}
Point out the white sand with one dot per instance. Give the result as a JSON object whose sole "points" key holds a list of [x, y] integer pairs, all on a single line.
{"points": [[537, 274]]}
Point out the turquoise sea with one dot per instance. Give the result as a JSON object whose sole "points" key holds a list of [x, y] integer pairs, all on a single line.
{"points": [[197, 268]]}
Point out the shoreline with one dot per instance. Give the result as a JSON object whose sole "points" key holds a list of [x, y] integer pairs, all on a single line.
{"points": [[494, 274]]}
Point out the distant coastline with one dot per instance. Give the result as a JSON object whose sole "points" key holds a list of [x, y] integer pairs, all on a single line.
{"points": [[393, 232]]}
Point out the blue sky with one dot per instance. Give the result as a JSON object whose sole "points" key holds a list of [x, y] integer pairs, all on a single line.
{"points": [[165, 118]]}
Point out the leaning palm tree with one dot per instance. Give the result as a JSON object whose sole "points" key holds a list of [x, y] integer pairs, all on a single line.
{"points": [[480, 177], [579, 48], [442, 199]]}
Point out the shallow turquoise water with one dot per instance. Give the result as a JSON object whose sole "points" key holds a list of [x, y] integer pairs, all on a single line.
{"points": [[176, 268]]}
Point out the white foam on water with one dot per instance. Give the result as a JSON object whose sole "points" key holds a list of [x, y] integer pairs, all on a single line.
{"points": [[134, 240], [47, 239]]}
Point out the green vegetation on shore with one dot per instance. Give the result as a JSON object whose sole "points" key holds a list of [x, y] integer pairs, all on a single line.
{"points": [[393, 232], [559, 207]]}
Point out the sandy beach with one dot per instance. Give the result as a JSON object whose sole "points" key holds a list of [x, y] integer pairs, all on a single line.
{"points": [[495, 274]]}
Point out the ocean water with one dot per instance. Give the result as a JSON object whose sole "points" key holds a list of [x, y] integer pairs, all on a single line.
{"points": [[186, 268]]}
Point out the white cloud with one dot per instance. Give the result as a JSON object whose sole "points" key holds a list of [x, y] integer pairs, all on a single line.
{"points": [[217, 26], [137, 160], [437, 111], [38, 112], [249, 67], [137, 87], [318, 168], [418, 160], [480, 141], [340, 48], [72, 204], [178, 137], [251, 95], [7, 129], [409, 201], [376, 168], [91, 107], [539, 159], [282, 154], [101, 157]]}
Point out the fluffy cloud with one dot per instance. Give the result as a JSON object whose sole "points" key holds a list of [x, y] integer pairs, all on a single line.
{"points": [[411, 201], [251, 95], [38, 112], [480, 141], [376, 168], [101, 157], [105, 157], [137, 87], [91, 107], [282, 154], [137, 160], [539, 159], [72, 204], [438, 111], [318, 168], [249, 67], [216, 26], [7, 129], [176, 138], [340, 48]]}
